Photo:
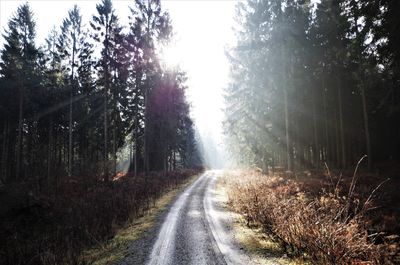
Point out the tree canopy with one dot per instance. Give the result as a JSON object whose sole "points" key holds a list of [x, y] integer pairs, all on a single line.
{"points": [[314, 83], [68, 111]]}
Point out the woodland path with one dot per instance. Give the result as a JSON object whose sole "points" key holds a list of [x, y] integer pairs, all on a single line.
{"points": [[196, 229]]}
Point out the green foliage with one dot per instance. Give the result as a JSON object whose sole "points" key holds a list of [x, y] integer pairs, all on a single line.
{"points": [[67, 119], [68, 111], [305, 82]]}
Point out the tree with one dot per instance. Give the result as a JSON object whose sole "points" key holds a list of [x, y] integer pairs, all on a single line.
{"points": [[104, 26], [18, 67], [154, 26], [70, 38], [53, 83], [51, 98]]}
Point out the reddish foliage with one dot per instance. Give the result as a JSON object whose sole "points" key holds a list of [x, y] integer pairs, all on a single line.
{"points": [[314, 214], [57, 227]]}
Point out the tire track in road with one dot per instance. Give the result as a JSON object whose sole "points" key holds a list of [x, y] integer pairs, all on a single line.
{"points": [[196, 230], [231, 253], [163, 248]]}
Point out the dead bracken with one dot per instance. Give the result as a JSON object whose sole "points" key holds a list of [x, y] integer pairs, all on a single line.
{"points": [[326, 225]]}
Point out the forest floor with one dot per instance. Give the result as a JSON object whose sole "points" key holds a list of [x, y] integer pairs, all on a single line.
{"points": [[219, 217], [232, 217], [82, 220], [318, 217], [119, 247], [263, 248]]}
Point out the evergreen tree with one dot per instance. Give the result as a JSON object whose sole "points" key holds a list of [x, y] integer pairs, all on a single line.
{"points": [[105, 27], [51, 97], [154, 28], [18, 68], [70, 37]]}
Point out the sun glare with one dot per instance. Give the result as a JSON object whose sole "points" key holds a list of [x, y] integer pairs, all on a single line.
{"points": [[170, 56], [197, 48]]}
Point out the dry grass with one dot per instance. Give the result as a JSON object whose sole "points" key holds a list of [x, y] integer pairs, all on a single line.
{"points": [[332, 225], [117, 248], [57, 227], [262, 248]]}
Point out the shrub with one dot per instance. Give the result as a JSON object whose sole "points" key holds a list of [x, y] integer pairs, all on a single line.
{"points": [[55, 228], [331, 226]]}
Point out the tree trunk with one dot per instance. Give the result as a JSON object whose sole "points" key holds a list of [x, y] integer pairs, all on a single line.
{"points": [[288, 151], [136, 123], [19, 136], [326, 131], [165, 161], [114, 153], [174, 160], [4, 155], [145, 140], [70, 107], [337, 140], [70, 136], [106, 89], [105, 161], [135, 161], [366, 126], [362, 90], [315, 131], [49, 151], [35, 169], [342, 143], [114, 138]]}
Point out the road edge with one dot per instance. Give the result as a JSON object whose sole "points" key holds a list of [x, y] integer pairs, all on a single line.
{"points": [[115, 250]]}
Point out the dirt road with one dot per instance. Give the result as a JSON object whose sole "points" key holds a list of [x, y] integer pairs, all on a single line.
{"points": [[195, 230]]}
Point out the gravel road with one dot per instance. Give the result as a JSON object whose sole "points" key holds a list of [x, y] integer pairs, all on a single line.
{"points": [[195, 229]]}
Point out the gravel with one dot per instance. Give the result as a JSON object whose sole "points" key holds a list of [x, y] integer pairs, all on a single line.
{"points": [[194, 229]]}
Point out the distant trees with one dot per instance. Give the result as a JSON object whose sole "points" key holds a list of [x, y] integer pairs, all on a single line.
{"points": [[309, 84], [169, 123], [67, 111]]}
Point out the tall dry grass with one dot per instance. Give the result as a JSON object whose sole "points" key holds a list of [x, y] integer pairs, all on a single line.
{"points": [[331, 225], [55, 228]]}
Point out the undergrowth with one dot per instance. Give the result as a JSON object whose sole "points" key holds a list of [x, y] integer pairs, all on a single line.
{"points": [[325, 216], [57, 227]]}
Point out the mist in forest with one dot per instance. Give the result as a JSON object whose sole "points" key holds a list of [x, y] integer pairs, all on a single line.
{"points": [[113, 111]]}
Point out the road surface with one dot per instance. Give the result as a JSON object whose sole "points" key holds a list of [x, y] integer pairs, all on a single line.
{"points": [[195, 230]]}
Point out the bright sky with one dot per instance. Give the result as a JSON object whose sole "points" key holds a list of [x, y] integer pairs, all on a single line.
{"points": [[203, 30]]}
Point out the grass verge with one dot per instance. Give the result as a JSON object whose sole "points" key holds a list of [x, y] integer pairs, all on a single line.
{"points": [[59, 226], [116, 248], [262, 247], [333, 224]]}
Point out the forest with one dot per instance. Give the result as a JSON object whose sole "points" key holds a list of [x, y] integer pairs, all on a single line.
{"points": [[92, 103], [102, 160], [314, 104], [68, 107], [315, 84]]}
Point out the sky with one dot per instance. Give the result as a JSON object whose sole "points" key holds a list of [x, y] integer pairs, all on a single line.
{"points": [[203, 29]]}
